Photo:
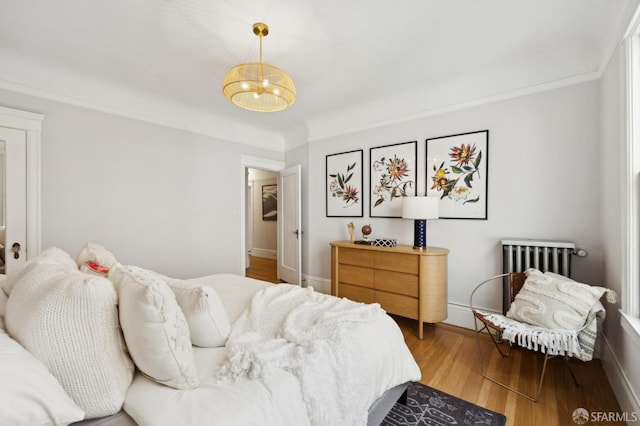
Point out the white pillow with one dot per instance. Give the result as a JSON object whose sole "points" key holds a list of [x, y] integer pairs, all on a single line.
{"points": [[50, 256], [208, 322], [154, 327], [552, 301], [69, 321], [3, 301], [95, 259], [29, 394]]}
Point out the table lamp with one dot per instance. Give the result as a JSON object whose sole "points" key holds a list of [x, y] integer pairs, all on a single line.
{"points": [[420, 209]]}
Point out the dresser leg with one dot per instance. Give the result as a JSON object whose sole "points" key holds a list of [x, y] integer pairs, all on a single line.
{"points": [[420, 324]]}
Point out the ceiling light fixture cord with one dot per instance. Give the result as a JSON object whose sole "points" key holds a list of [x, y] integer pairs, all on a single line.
{"points": [[261, 67]]}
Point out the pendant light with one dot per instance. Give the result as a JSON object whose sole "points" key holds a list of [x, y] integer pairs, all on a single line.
{"points": [[257, 86]]}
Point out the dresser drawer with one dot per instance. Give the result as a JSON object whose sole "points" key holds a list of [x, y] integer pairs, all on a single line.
{"points": [[396, 282], [399, 262], [358, 294], [398, 304], [356, 257], [358, 275]]}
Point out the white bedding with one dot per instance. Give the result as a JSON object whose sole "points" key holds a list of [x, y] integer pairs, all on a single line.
{"points": [[3, 302], [273, 400]]}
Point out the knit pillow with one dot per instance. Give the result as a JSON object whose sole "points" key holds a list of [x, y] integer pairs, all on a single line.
{"points": [[154, 327], [95, 259], [208, 322], [69, 321], [551, 302], [51, 256]]}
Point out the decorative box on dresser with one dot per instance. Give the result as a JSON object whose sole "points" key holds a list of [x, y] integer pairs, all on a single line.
{"points": [[405, 281]]}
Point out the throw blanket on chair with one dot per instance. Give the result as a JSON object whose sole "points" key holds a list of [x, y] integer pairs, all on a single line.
{"points": [[575, 343], [307, 334], [555, 314]]}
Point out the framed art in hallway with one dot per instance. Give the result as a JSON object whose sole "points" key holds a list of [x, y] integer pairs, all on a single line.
{"points": [[392, 176], [457, 168], [270, 202], [344, 182]]}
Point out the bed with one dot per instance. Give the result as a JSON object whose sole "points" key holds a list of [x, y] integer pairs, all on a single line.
{"points": [[276, 398]]}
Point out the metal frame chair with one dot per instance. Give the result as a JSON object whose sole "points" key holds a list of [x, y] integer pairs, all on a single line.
{"points": [[515, 281]]}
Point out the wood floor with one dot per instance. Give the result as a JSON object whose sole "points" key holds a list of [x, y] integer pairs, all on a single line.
{"points": [[447, 357], [262, 268]]}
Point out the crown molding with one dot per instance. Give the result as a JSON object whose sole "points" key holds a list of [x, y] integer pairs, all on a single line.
{"points": [[316, 136], [193, 120]]}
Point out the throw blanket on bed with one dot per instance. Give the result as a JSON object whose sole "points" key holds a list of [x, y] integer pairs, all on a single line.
{"points": [[307, 334], [575, 343]]}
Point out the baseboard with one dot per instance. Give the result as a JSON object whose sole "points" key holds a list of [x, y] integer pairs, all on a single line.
{"points": [[269, 254], [460, 316], [321, 285], [624, 392]]}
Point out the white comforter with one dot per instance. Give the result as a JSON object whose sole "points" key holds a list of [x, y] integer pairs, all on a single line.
{"points": [[272, 399]]}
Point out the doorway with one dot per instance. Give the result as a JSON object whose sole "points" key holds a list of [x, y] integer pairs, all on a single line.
{"points": [[262, 226], [288, 222]]}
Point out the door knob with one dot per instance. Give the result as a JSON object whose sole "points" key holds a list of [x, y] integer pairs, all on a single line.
{"points": [[15, 248]]}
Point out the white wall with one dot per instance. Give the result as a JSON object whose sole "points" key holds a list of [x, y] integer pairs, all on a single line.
{"points": [[544, 173], [621, 354], [160, 198]]}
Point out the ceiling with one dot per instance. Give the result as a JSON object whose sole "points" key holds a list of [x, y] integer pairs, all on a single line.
{"points": [[356, 65]]}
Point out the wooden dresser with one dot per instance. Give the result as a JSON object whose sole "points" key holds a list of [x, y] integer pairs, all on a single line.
{"points": [[405, 281]]}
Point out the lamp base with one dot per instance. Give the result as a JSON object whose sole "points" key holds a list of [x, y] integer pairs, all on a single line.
{"points": [[420, 234]]}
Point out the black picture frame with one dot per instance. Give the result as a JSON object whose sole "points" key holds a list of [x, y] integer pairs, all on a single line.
{"points": [[392, 175], [457, 172], [344, 184], [270, 202]]}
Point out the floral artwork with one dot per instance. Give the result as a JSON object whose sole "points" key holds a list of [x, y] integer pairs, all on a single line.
{"points": [[340, 188], [457, 173], [344, 184], [393, 176]]}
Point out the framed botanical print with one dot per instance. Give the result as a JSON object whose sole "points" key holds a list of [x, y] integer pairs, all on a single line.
{"points": [[457, 168], [344, 180], [392, 176]]}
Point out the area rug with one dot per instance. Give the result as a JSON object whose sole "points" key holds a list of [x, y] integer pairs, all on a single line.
{"points": [[428, 406]]}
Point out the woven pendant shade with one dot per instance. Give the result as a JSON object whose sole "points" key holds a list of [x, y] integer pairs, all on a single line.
{"points": [[257, 86], [244, 87]]}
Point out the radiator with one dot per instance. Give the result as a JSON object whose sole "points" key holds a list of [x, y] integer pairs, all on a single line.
{"points": [[520, 254]]}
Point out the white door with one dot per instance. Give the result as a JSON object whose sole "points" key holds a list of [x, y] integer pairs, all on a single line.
{"points": [[290, 226], [15, 197]]}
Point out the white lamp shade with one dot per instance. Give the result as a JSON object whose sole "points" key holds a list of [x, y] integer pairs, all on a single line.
{"points": [[420, 207]]}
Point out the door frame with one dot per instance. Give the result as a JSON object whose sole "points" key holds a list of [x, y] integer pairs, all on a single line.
{"points": [[31, 123], [254, 163]]}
